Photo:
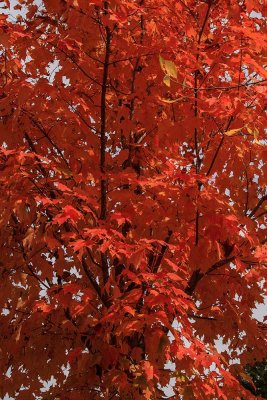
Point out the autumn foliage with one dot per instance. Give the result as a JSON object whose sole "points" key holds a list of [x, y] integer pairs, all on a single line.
{"points": [[133, 200]]}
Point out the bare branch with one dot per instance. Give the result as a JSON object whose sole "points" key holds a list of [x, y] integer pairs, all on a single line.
{"points": [[255, 209], [197, 275]]}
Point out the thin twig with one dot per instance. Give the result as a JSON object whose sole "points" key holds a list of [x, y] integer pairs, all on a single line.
{"points": [[93, 282], [219, 147]]}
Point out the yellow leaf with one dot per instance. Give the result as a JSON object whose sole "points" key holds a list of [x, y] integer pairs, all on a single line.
{"points": [[256, 135], [161, 61], [232, 132], [171, 101], [180, 378], [167, 80], [254, 132], [168, 67], [17, 338]]}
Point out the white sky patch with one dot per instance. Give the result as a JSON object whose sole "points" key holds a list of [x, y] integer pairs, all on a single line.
{"points": [[52, 382], [7, 397], [52, 68], [260, 312], [255, 14]]}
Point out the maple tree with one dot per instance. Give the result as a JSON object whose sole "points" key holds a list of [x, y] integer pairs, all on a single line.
{"points": [[133, 206]]}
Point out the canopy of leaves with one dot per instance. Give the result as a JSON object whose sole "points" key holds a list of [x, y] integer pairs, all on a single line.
{"points": [[133, 197], [258, 373]]}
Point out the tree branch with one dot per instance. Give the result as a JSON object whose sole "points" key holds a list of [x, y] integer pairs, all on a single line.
{"points": [[103, 139], [38, 125], [255, 209], [201, 317], [247, 192], [197, 275], [219, 147], [159, 258], [246, 84], [93, 282]]}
